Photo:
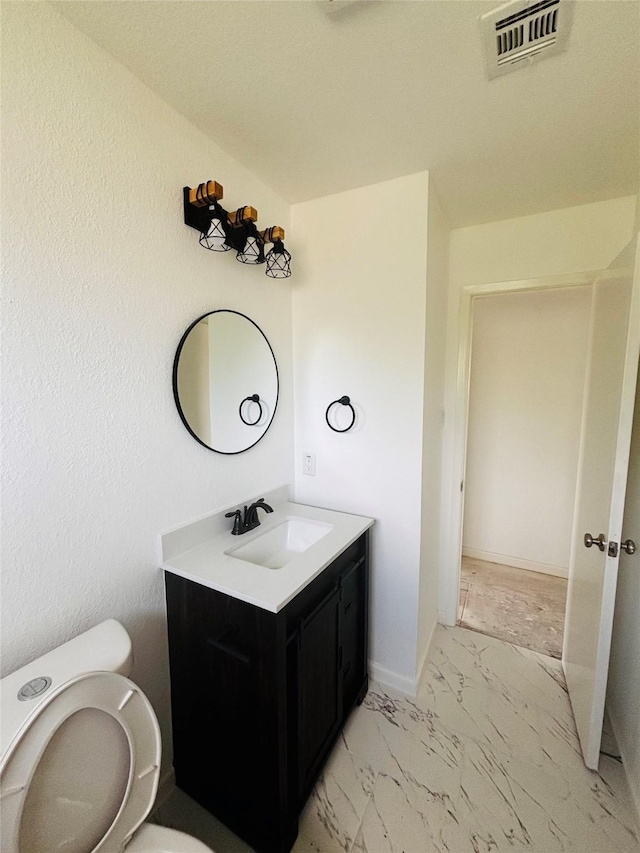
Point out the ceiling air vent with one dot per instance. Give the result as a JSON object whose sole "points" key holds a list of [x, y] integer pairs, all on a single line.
{"points": [[521, 31]]}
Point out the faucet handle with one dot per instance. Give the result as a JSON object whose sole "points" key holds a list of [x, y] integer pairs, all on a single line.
{"points": [[237, 521]]}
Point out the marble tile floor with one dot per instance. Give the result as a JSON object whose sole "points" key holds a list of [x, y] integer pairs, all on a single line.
{"points": [[484, 760], [516, 605]]}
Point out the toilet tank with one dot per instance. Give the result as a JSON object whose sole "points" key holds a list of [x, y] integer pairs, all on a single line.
{"points": [[105, 648]]}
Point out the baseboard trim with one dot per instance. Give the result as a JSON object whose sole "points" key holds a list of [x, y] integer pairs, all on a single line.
{"points": [[444, 620], [633, 786], [402, 683], [516, 562], [389, 678]]}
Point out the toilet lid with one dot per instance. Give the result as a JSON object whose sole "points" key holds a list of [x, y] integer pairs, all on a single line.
{"points": [[82, 775]]}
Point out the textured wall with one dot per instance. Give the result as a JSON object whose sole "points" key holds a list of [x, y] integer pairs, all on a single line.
{"points": [[101, 279]]}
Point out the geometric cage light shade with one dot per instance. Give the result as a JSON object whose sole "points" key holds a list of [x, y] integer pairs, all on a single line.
{"points": [[278, 261], [252, 250]]}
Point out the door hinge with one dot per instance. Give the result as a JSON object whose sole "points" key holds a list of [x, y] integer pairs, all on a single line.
{"points": [[613, 549]]}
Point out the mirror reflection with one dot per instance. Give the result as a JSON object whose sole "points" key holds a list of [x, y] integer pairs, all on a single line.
{"points": [[225, 381]]}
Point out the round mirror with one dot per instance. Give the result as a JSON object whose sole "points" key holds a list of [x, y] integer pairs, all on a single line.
{"points": [[225, 381]]}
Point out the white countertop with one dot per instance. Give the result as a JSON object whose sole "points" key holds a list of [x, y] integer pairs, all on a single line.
{"points": [[206, 562]]}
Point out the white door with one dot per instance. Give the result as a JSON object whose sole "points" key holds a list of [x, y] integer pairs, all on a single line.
{"points": [[602, 474]]}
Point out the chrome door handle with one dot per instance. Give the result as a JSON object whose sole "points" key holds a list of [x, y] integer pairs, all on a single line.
{"points": [[629, 546], [598, 541]]}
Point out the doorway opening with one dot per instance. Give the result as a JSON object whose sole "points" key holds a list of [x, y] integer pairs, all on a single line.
{"points": [[526, 387], [603, 464]]}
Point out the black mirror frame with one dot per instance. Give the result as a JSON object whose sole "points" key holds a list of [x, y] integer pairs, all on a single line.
{"points": [[176, 397]]}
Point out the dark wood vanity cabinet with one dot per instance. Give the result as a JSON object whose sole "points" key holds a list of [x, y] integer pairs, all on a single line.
{"points": [[258, 698]]}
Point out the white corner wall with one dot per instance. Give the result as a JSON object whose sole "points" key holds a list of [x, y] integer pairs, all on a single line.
{"points": [[438, 233], [101, 277], [359, 307], [566, 241], [525, 407]]}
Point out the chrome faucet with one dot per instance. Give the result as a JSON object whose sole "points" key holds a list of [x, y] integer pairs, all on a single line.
{"points": [[243, 523]]}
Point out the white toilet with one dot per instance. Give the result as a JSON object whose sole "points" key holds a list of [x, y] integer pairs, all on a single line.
{"points": [[80, 754]]}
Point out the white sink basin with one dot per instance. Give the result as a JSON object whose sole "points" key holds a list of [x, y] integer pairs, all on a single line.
{"points": [[277, 547]]}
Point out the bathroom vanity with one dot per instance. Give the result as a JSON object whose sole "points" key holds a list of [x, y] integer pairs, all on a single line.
{"points": [[265, 673]]}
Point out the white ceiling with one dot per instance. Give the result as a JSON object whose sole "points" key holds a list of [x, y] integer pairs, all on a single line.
{"points": [[316, 100]]}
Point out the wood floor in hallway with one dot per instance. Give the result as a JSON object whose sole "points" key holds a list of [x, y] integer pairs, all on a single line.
{"points": [[521, 607]]}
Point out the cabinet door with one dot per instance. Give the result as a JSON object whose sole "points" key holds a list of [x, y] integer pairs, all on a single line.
{"points": [[319, 687], [229, 712]]}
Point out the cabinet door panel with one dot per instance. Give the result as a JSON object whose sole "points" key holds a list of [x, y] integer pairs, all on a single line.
{"points": [[319, 687], [352, 632], [228, 719]]}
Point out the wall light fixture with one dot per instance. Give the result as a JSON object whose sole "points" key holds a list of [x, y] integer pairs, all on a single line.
{"points": [[221, 231]]}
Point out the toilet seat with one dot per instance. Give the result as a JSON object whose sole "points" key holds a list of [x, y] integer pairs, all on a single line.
{"points": [[159, 839], [124, 702]]}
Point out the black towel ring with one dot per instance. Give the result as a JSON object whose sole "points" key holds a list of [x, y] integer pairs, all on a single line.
{"points": [[345, 401], [254, 398]]}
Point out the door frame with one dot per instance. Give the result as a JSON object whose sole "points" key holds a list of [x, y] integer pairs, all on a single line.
{"points": [[456, 434]]}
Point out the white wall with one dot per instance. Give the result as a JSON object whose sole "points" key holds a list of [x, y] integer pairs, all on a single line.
{"points": [[101, 279], [525, 409], [359, 307], [572, 239], [558, 242], [433, 418]]}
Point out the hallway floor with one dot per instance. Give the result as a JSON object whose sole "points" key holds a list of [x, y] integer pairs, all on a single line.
{"points": [[485, 759], [521, 607]]}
